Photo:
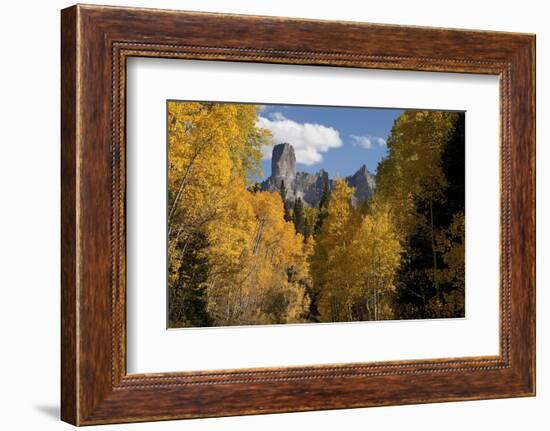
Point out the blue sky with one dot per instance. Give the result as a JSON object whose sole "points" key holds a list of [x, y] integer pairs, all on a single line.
{"points": [[339, 140]]}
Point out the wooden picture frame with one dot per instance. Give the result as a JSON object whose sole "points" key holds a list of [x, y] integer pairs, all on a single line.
{"points": [[95, 43]]}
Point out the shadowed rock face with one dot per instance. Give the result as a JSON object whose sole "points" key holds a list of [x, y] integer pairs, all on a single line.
{"points": [[364, 184], [309, 187]]}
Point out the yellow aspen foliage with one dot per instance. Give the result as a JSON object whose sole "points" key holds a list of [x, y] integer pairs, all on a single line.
{"points": [[420, 181], [412, 168], [209, 151], [267, 283], [239, 256], [451, 245], [332, 247], [252, 266], [355, 261], [376, 257]]}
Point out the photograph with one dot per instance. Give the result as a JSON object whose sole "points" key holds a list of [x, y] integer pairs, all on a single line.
{"points": [[275, 215], [299, 214]]}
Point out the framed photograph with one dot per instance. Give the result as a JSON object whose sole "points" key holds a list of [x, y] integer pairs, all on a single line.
{"points": [[266, 215]]}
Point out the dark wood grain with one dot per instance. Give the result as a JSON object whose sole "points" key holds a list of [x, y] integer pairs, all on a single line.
{"points": [[69, 367], [96, 41]]}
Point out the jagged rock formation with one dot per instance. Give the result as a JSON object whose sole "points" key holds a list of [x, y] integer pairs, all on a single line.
{"points": [[364, 184], [283, 169], [309, 187]]}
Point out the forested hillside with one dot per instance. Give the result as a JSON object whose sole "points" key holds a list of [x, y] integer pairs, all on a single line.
{"points": [[239, 255]]}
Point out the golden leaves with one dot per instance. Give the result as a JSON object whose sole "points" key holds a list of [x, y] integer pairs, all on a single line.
{"points": [[253, 268], [355, 260], [257, 267]]}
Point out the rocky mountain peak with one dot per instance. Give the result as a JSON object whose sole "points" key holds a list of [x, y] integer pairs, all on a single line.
{"points": [[364, 184], [283, 161], [310, 187], [283, 168]]}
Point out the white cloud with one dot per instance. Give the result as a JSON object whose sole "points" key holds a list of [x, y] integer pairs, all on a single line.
{"points": [[278, 116], [309, 140], [367, 141]]}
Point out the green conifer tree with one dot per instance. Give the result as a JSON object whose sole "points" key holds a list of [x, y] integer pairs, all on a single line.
{"points": [[298, 217], [323, 204], [188, 294], [282, 192]]}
